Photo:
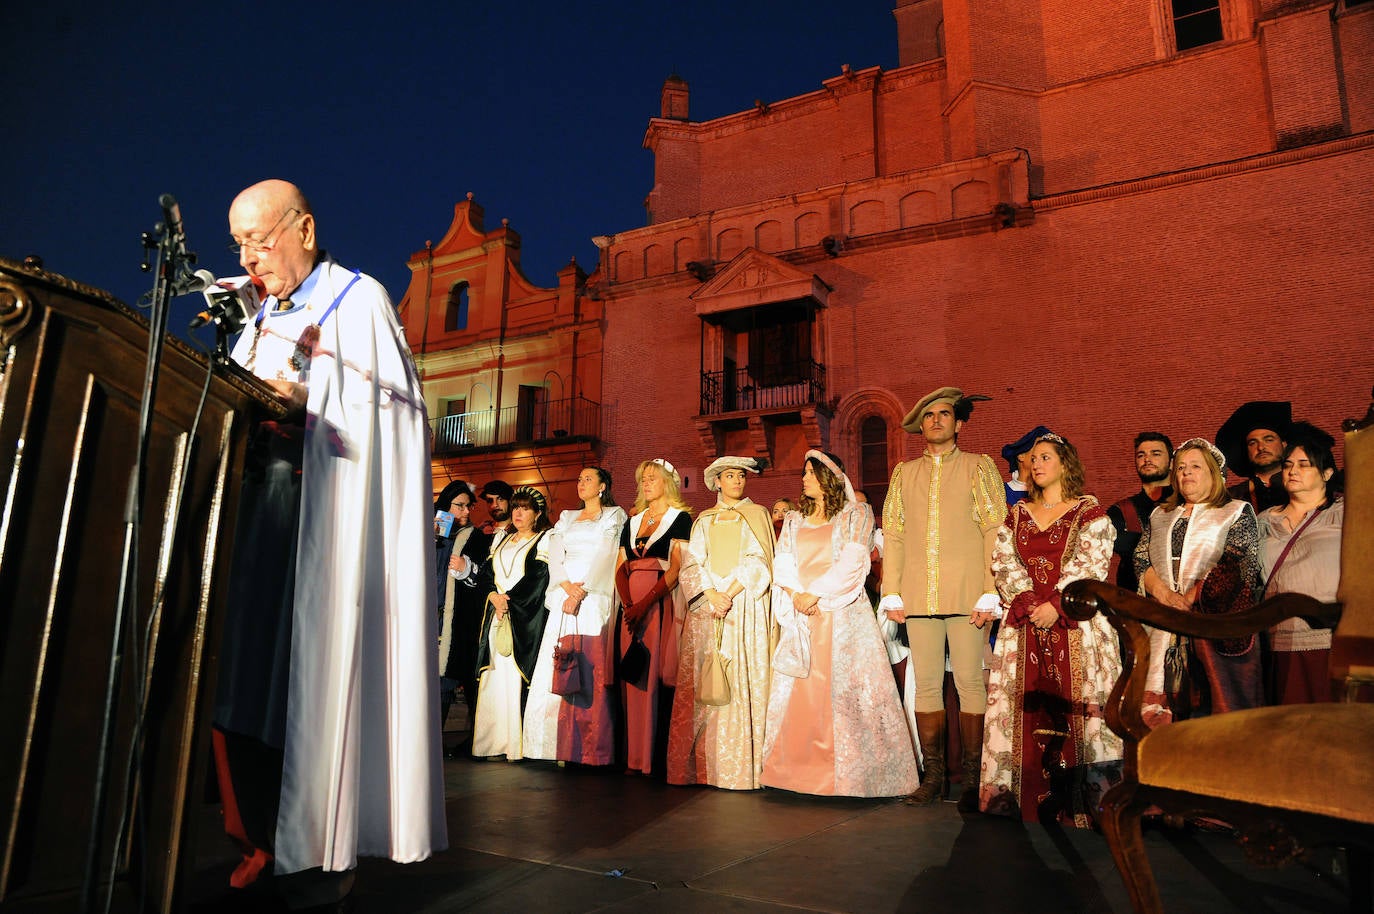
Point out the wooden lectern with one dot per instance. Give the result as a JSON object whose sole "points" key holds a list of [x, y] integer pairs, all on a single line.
{"points": [[71, 372]]}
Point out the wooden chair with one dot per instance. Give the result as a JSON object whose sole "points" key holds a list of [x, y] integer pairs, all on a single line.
{"points": [[1253, 768]]}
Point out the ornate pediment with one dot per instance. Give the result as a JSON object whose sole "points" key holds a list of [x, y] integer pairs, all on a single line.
{"points": [[753, 279]]}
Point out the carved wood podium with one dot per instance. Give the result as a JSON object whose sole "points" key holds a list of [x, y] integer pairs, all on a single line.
{"points": [[71, 372]]}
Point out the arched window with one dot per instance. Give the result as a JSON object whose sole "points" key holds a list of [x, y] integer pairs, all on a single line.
{"points": [[873, 468], [456, 312]]}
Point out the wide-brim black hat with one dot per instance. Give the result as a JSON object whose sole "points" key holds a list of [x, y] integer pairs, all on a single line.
{"points": [[1275, 415]]}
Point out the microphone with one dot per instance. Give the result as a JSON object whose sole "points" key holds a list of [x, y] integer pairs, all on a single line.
{"points": [[171, 216], [230, 302], [198, 281]]}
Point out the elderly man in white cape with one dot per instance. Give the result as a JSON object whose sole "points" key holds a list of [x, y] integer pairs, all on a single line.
{"points": [[716, 737], [363, 771]]}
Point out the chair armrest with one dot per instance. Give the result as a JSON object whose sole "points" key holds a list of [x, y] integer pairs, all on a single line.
{"points": [[1125, 611], [1084, 598]]}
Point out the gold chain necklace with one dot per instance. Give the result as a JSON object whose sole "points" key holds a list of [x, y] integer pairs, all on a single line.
{"points": [[502, 552]]}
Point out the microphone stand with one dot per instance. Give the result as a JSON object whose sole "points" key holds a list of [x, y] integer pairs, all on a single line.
{"points": [[173, 261]]}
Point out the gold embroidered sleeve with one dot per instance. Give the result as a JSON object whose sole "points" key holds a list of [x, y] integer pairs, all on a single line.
{"points": [[894, 516], [989, 496]]}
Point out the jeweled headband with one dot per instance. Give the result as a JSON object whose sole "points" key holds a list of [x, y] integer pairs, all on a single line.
{"points": [[1205, 445]]}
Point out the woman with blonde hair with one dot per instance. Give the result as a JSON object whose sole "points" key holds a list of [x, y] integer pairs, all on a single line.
{"points": [[1048, 754], [646, 574], [1200, 553], [835, 724]]}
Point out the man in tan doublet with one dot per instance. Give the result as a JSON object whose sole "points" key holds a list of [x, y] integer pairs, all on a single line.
{"points": [[940, 521]]}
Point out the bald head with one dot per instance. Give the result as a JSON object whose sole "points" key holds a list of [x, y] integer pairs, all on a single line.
{"points": [[272, 223], [272, 193]]}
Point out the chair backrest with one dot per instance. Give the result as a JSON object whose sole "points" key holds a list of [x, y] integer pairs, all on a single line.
{"points": [[1352, 647]]}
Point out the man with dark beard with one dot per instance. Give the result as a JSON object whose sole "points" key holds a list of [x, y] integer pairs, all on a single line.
{"points": [[497, 495], [1153, 459], [1253, 442]]}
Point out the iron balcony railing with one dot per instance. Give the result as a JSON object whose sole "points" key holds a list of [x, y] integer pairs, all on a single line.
{"points": [[775, 387], [531, 423]]}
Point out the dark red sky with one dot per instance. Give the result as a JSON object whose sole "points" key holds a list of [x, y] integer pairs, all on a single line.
{"points": [[385, 114]]}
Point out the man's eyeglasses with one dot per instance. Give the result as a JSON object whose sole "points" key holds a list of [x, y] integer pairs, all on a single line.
{"points": [[266, 244]]}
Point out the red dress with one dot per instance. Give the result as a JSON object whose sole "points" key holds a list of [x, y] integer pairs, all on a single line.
{"points": [[648, 561]]}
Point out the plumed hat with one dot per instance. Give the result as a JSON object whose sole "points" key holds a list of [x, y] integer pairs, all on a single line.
{"points": [[1018, 447], [963, 406], [712, 475], [1275, 415]]}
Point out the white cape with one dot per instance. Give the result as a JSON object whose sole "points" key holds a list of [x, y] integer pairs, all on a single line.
{"points": [[363, 769]]}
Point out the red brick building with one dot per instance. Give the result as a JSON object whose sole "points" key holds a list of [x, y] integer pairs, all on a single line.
{"points": [[1109, 217], [512, 371]]}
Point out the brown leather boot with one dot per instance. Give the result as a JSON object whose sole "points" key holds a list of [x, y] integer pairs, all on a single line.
{"points": [[930, 730], [971, 740]]}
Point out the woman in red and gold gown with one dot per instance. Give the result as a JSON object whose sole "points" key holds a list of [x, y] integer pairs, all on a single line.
{"points": [[646, 575], [1048, 754]]}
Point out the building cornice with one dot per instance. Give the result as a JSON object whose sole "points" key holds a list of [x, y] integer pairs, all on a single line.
{"points": [[1261, 162]]}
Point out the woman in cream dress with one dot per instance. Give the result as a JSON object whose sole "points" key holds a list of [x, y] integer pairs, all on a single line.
{"points": [[727, 577]]}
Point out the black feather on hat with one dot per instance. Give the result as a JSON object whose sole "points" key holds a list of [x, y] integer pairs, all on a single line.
{"points": [[963, 407]]}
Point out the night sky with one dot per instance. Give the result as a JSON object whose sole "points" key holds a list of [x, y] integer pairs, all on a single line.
{"points": [[385, 114]]}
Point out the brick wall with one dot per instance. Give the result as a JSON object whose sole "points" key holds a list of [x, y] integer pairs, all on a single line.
{"points": [[1159, 309]]}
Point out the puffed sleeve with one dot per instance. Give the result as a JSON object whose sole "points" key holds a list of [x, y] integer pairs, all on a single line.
{"points": [[694, 577], [989, 496], [842, 583], [894, 534], [555, 554], [1013, 582], [1091, 556], [989, 513], [601, 571]]}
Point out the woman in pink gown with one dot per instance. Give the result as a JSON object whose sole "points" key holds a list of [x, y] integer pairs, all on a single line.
{"points": [[835, 724]]}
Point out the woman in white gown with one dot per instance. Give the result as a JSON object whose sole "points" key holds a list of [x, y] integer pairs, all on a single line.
{"points": [[581, 603]]}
